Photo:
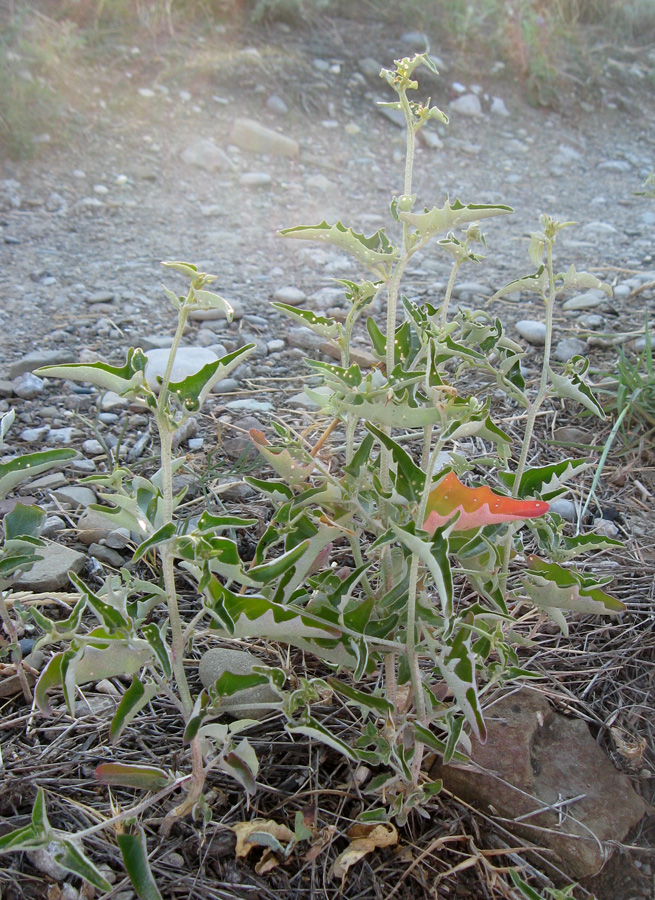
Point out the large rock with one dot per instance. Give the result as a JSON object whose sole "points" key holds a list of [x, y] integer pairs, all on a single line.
{"points": [[250, 135], [534, 761], [51, 572]]}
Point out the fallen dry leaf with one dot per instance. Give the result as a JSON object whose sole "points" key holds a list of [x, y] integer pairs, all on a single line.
{"points": [[247, 832], [364, 839]]}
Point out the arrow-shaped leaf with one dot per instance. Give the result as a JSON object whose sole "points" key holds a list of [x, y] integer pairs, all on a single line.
{"points": [[371, 252], [450, 216]]}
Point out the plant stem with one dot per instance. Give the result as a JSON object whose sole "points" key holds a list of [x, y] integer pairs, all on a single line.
{"points": [[165, 427]]}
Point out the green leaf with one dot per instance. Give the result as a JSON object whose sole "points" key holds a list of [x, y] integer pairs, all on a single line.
{"points": [[277, 490], [193, 390], [242, 765], [210, 300], [208, 522], [50, 677], [128, 379], [24, 467], [409, 478], [133, 700], [375, 252], [71, 858], [147, 778], [433, 553], [185, 268], [450, 216], [20, 839], [135, 859], [549, 585], [326, 328], [572, 280], [274, 568], [546, 481], [365, 701], [6, 421], [113, 617], [23, 521], [528, 892], [535, 284], [161, 536], [571, 386], [155, 638], [313, 729], [425, 736], [457, 665], [39, 815]]}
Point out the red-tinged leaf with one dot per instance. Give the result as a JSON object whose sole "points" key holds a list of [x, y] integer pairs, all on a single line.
{"points": [[476, 506], [149, 778]]}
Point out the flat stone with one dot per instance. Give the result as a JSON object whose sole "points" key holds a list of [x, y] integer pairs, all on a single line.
{"points": [[92, 447], [245, 703], [567, 348], [51, 572], [257, 138], [498, 107], [255, 179], [38, 358], [564, 508], [533, 332], [189, 361], [292, 296], [106, 555], [204, 154], [276, 105], [6, 388], [75, 495], [94, 526], [34, 435], [156, 341], [28, 386], [369, 67], [61, 435], [397, 116], [250, 404], [536, 759], [101, 297], [466, 105], [587, 300]]}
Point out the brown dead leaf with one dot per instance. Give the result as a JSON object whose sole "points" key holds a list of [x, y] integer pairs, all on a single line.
{"points": [[268, 862], [324, 837], [364, 839], [630, 748], [247, 832]]}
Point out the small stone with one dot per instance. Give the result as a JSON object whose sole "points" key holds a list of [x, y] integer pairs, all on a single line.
{"points": [[599, 230], [28, 386], [234, 489], [615, 165], [38, 358], [587, 300], [466, 105], [187, 429], [195, 443], [92, 447], [250, 404], [277, 105], [189, 361], [51, 572], [275, 345], [156, 341], [304, 338], [101, 297], [54, 525], [146, 92], [46, 482], [564, 508], [240, 662], [397, 116], [319, 183], [591, 321], [256, 138], [292, 296], [75, 496], [533, 332], [321, 65], [100, 189], [498, 107], [255, 179], [369, 67], [567, 348], [606, 528], [94, 526], [106, 555], [430, 139], [204, 154], [225, 386], [111, 400], [468, 290], [61, 435], [622, 291], [34, 435]]}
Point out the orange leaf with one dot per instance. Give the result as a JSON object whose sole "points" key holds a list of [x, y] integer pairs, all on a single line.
{"points": [[476, 506]]}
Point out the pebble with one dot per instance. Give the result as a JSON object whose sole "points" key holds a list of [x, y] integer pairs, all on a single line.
{"points": [[61, 435], [622, 291], [292, 296], [468, 290], [588, 300], [305, 339], [92, 447], [196, 443], [94, 526], [467, 105], [321, 65], [598, 230], [567, 348], [100, 297], [106, 555], [34, 435], [205, 154], [275, 345], [277, 105], [255, 179], [429, 138], [591, 321], [187, 429], [533, 332], [369, 67], [117, 539], [498, 107], [319, 183], [75, 495], [54, 525], [28, 386], [225, 386], [250, 404], [38, 358], [615, 165], [146, 92], [606, 528], [251, 135], [188, 361], [155, 341]]}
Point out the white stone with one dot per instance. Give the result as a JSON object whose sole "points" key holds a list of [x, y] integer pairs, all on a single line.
{"points": [[533, 332], [467, 105], [498, 107], [204, 154], [251, 405], [567, 348], [255, 179], [188, 361], [588, 300], [290, 295]]}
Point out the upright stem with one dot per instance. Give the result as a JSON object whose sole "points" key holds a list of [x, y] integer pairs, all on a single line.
{"points": [[165, 429]]}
